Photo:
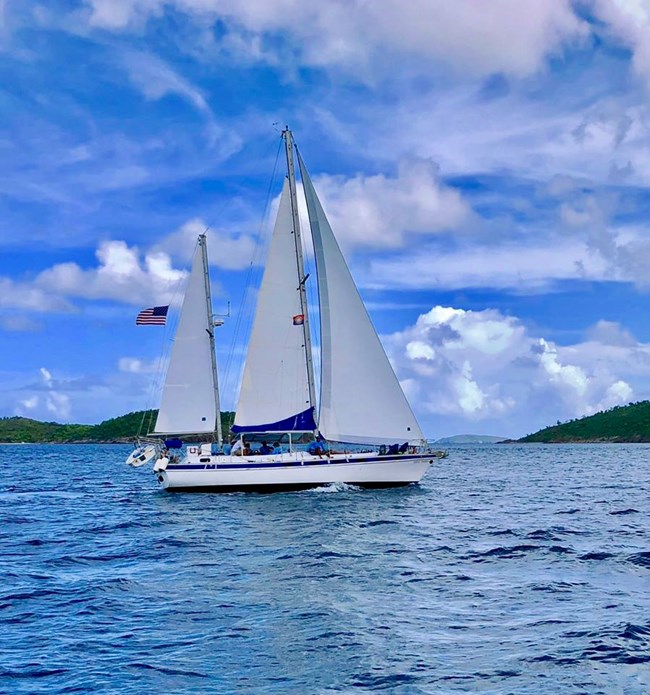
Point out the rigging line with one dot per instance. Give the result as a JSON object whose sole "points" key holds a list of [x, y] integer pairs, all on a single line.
{"points": [[215, 215], [226, 370], [246, 299]]}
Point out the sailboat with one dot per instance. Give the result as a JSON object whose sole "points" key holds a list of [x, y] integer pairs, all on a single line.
{"points": [[362, 432]]}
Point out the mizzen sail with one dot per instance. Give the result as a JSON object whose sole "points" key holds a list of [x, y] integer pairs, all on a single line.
{"points": [[189, 400]]}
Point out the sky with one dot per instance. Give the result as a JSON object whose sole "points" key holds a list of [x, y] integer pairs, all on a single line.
{"points": [[484, 165]]}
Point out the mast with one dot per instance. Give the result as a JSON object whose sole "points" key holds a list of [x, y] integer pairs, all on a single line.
{"points": [[302, 278], [210, 330]]}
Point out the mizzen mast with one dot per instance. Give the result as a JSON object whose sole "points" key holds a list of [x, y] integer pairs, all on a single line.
{"points": [[210, 330]]}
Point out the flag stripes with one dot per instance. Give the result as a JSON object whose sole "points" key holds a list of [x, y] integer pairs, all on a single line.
{"points": [[154, 316]]}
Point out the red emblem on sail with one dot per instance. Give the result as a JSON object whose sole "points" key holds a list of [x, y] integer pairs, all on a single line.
{"points": [[298, 319]]}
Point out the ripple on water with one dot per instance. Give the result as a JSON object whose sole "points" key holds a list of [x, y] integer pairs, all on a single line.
{"points": [[510, 569]]}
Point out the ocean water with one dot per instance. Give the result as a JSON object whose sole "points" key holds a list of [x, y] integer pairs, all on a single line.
{"points": [[510, 569]]}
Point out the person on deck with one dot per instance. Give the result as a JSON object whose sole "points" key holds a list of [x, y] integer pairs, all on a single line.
{"points": [[265, 449], [318, 447]]}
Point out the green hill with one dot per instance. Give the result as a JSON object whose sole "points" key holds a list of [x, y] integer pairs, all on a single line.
{"points": [[118, 429], [626, 423]]}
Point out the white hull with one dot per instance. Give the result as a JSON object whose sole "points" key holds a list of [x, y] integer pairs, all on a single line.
{"points": [[293, 471]]}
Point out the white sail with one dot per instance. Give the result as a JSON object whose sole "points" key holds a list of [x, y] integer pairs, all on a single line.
{"points": [[361, 398], [274, 394], [188, 404]]}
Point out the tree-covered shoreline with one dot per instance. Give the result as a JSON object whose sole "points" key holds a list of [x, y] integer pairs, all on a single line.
{"points": [[621, 424], [16, 430]]}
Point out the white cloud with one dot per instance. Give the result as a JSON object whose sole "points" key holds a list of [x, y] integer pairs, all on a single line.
{"points": [[117, 14], [469, 396], [121, 275], [459, 366], [601, 138], [574, 378], [58, 404], [155, 79], [30, 403], [610, 333], [379, 211], [79, 398], [23, 295], [625, 250], [228, 250], [629, 21], [46, 376], [619, 392], [54, 401], [525, 267], [134, 365], [514, 38]]}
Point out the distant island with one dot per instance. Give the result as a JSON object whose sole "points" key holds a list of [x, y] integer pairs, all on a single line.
{"points": [[621, 424], [16, 430], [471, 439]]}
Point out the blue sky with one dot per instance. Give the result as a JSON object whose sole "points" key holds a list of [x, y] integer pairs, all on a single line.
{"points": [[484, 165]]}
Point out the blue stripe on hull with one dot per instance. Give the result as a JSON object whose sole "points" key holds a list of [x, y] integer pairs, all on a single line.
{"points": [[299, 464]]}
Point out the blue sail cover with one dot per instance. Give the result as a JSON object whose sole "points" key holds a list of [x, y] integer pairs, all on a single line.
{"points": [[302, 422]]}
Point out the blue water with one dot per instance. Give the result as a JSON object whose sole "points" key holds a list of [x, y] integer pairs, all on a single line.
{"points": [[511, 569]]}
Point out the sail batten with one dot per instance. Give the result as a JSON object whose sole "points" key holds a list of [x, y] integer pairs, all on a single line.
{"points": [[188, 402], [361, 398]]}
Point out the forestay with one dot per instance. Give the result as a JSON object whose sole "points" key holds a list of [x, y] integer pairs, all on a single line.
{"points": [[361, 398], [274, 393], [188, 403]]}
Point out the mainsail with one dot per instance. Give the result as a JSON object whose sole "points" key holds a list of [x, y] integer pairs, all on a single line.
{"points": [[274, 394], [361, 399], [189, 397]]}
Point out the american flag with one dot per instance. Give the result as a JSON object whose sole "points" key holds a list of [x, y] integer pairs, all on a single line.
{"points": [[155, 316]]}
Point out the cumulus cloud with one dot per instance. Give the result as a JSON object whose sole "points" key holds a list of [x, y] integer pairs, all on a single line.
{"points": [[380, 211], [54, 402], [123, 387], [23, 295], [625, 250], [610, 333], [564, 375], [122, 274], [29, 403], [358, 35], [485, 366], [229, 250], [629, 21]]}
